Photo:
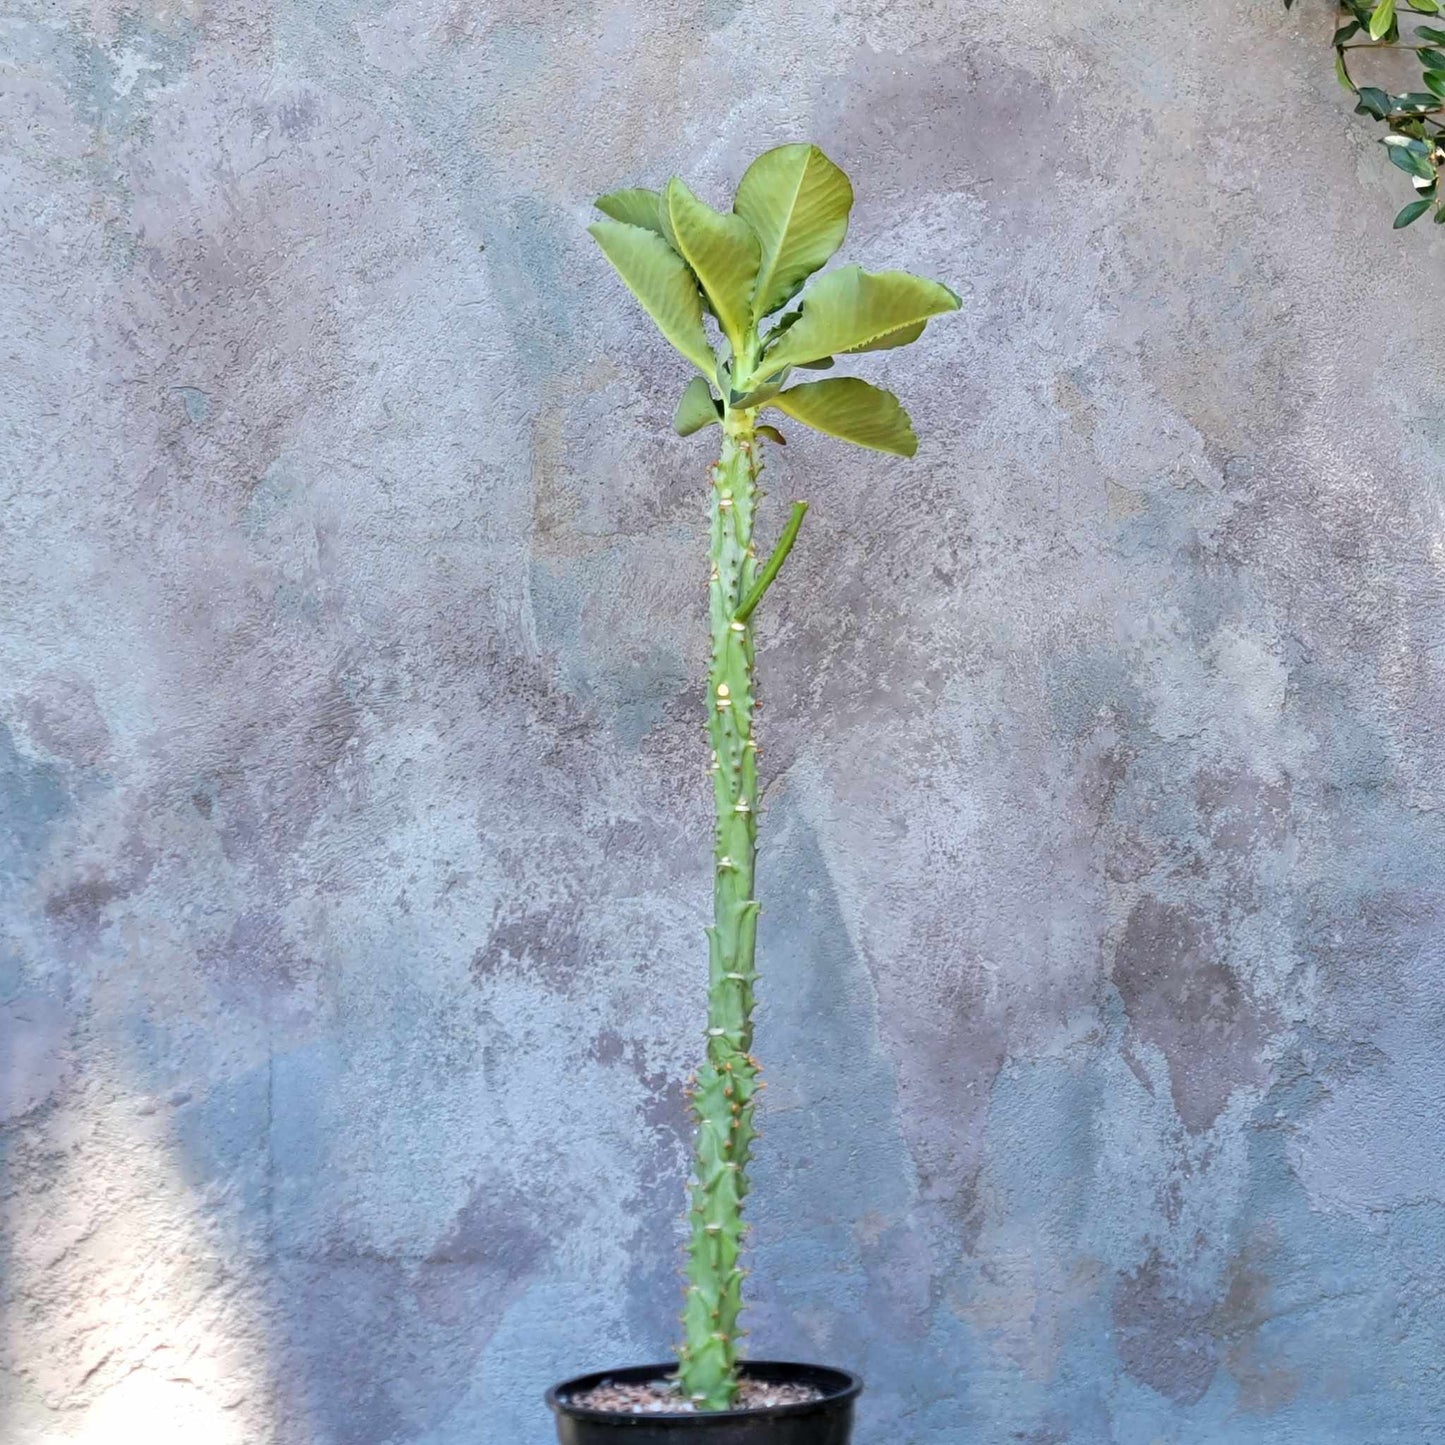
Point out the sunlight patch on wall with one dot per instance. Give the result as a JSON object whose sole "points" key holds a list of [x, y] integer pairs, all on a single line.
{"points": [[135, 1303]]}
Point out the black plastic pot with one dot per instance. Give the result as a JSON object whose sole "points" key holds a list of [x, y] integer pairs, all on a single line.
{"points": [[828, 1421]]}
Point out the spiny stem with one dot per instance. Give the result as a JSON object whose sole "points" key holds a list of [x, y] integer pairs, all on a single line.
{"points": [[728, 1081]]}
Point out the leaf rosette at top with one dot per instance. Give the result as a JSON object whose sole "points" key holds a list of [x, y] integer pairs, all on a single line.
{"points": [[684, 261]]}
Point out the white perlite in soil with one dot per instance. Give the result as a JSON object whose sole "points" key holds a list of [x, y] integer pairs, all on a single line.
{"points": [[661, 1397]]}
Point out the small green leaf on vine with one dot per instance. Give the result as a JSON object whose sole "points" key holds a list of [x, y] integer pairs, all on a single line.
{"points": [[1373, 101], [1411, 156]]}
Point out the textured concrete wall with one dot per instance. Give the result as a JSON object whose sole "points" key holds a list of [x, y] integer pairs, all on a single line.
{"points": [[355, 834]]}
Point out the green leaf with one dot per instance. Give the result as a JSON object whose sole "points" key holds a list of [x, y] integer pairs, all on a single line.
{"points": [[1431, 35], [1411, 163], [636, 206], [1416, 100], [1432, 59], [697, 407], [1342, 71], [853, 411], [1382, 19], [784, 322], [660, 280], [797, 201], [823, 363], [1440, 215], [1424, 7], [1412, 212], [744, 400], [1435, 79], [1373, 101], [850, 307], [1345, 31], [723, 252], [773, 435], [902, 337]]}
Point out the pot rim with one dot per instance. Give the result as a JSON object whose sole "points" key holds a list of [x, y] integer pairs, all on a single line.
{"points": [[849, 1389]]}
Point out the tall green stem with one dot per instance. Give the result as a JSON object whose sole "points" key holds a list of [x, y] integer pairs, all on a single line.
{"points": [[728, 1080]]}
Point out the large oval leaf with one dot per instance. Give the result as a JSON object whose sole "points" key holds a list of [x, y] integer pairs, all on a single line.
{"points": [[723, 252], [853, 411], [797, 201], [890, 339], [659, 278], [636, 206], [849, 308], [697, 407]]}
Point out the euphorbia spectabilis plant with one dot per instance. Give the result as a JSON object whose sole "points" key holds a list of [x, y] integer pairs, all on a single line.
{"points": [[685, 262]]}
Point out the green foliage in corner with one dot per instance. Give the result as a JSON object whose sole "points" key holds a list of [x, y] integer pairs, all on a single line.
{"points": [[1412, 119]]}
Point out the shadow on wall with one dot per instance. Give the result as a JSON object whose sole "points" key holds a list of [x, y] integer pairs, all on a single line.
{"points": [[178, 1260], [212, 1237], [33, 1051], [128, 1310]]}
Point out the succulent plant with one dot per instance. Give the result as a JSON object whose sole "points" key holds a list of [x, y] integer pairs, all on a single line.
{"points": [[741, 273]]}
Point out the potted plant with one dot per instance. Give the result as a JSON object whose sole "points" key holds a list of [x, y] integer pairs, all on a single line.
{"points": [[686, 262]]}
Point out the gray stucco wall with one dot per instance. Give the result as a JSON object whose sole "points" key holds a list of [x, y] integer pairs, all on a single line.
{"points": [[354, 857]]}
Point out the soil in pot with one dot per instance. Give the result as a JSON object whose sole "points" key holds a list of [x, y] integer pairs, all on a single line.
{"points": [[781, 1404], [663, 1397]]}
